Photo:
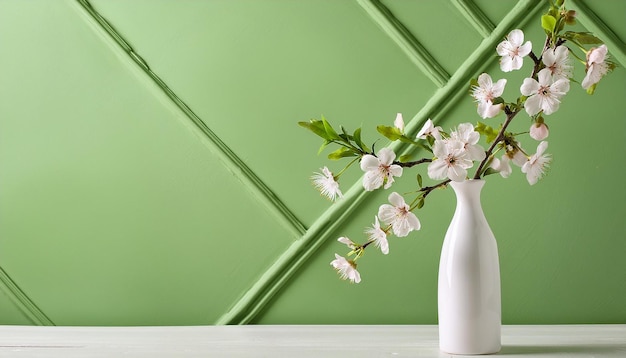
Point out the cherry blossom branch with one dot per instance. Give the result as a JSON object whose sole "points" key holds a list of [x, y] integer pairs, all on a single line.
{"points": [[509, 117], [428, 189], [413, 163]]}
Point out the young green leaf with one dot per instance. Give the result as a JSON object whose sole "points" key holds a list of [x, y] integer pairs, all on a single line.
{"points": [[548, 22], [490, 171], [324, 145], [315, 126], [584, 38], [342, 152], [489, 133], [405, 158], [330, 132], [420, 203], [358, 140], [419, 180], [391, 133]]}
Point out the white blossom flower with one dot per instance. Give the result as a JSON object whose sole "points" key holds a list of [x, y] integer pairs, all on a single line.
{"points": [[516, 154], [544, 94], [466, 134], [398, 215], [399, 122], [557, 62], [429, 129], [596, 67], [485, 93], [379, 170], [503, 166], [539, 131], [346, 269], [378, 236], [452, 160], [326, 184], [537, 164], [344, 240], [512, 51]]}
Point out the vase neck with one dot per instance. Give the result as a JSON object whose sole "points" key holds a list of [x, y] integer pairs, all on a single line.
{"points": [[468, 191]]}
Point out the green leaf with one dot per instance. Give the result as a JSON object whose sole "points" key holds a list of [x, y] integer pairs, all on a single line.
{"points": [[490, 171], [584, 38], [473, 84], [326, 143], [357, 139], [342, 152], [548, 22], [391, 133], [489, 133], [315, 126], [419, 180], [405, 158], [592, 88], [330, 132], [420, 203], [498, 100]]}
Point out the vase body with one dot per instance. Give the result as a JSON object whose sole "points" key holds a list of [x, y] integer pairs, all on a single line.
{"points": [[469, 278]]}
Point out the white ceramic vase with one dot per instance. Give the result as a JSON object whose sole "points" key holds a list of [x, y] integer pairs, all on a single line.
{"points": [[469, 278]]}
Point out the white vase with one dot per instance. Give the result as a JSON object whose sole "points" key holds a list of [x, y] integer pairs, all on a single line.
{"points": [[469, 278]]}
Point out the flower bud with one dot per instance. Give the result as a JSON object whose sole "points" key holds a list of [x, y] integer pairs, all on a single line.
{"points": [[569, 17], [539, 131]]}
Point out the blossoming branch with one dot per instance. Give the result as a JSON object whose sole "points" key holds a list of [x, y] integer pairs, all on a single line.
{"points": [[453, 154]]}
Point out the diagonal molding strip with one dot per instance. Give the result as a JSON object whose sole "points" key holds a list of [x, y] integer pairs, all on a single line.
{"points": [[235, 164], [406, 41], [262, 292], [21, 300], [593, 23], [475, 16]]}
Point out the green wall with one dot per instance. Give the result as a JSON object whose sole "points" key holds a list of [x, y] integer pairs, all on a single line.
{"points": [[152, 171]]}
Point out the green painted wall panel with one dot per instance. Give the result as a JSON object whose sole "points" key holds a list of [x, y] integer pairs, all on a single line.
{"points": [[428, 20], [252, 69], [114, 207], [10, 313]]}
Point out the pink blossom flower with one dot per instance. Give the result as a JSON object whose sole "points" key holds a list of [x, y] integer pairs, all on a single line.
{"points": [[557, 62], [379, 170], [466, 134], [537, 164], [503, 166], [327, 185], [398, 215], [399, 122], [452, 160], [378, 236], [429, 130], [544, 94], [597, 66], [539, 131], [346, 269], [512, 51], [344, 240], [485, 93]]}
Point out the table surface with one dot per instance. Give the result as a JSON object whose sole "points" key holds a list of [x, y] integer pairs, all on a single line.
{"points": [[298, 341]]}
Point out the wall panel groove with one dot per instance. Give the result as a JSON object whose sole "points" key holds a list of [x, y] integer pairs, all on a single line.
{"points": [[22, 301], [475, 16], [406, 41], [230, 159]]}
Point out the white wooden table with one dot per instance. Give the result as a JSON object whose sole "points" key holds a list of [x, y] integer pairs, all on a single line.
{"points": [[297, 341]]}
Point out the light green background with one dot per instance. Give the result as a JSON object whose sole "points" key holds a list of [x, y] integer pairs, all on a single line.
{"points": [[152, 172]]}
